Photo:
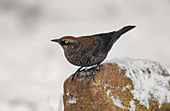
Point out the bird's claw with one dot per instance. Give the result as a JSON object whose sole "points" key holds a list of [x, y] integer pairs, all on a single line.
{"points": [[73, 76], [94, 79], [76, 73], [97, 68], [91, 76], [80, 71]]}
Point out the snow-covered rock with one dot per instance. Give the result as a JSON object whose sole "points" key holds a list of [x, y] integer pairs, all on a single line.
{"points": [[122, 84]]}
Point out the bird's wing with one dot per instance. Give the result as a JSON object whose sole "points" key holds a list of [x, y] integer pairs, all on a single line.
{"points": [[105, 39], [89, 44], [108, 39]]}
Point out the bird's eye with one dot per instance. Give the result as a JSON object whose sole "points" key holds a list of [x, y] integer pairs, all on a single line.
{"points": [[66, 41]]}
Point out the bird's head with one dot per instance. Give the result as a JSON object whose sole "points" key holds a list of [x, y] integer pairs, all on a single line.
{"points": [[67, 42]]}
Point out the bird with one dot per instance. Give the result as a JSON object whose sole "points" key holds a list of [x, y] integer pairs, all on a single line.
{"points": [[90, 50]]}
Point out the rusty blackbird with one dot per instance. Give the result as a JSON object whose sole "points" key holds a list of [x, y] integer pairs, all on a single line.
{"points": [[89, 50]]}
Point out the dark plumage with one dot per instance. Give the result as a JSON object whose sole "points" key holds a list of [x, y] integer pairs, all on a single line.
{"points": [[90, 50]]}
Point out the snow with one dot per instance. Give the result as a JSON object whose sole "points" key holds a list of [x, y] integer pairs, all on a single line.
{"points": [[132, 105], [147, 79], [67, 92], [108, 93], [117, 102], [72, 100], [126, 87], [105, 86]]}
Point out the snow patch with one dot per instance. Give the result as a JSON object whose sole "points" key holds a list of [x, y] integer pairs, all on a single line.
{"points": [[132, 105], [72, 100], [117, 102], [105, 86], [147, 79], [126, 87], [81, 79], [67, 92], [108, 93]]}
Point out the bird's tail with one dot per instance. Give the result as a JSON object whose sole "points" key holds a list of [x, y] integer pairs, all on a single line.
{"points": [[123, 30], [118, 33]]}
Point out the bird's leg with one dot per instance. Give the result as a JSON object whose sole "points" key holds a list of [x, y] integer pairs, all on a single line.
{"points": [[76, 73], [80, 71], [93, 73], [97, 69]]}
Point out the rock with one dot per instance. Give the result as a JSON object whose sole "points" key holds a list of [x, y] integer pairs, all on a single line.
{"points": [[124, 84]]}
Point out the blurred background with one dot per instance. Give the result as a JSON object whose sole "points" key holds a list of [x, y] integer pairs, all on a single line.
{"points": [[33, 69]]}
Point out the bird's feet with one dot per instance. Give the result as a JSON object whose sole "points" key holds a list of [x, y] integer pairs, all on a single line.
{"points": [[76, 73], [90, 76], [93, 74]]}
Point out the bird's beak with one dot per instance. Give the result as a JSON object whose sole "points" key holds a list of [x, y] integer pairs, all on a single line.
{"points": [[56, 40]]}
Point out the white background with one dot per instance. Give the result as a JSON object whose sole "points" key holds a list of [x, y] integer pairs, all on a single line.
{"points": [[33, 69]]}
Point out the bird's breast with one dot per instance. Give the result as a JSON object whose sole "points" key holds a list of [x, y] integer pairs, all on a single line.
{"points": [[84, 58]]}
